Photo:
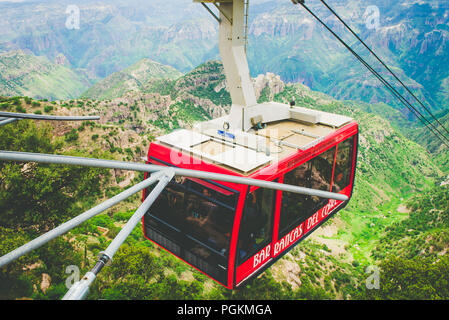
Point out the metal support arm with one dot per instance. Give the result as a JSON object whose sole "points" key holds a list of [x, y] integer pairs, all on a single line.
{"points": [[45, 117], [211, 12], [80, 289], [111, 164], [6, 121], [69, 225]]}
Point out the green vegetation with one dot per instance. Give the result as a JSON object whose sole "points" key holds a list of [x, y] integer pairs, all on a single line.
{"points": [[71, 136], [424, 232], [24, 187], [28, 75], [179, 114], [132, 78], [48, 109], [412, 279], [35, 198], [220, 98], [412, 252]]}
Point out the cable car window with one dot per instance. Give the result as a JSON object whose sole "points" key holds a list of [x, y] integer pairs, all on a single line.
{"points": [[315, 174], [192, 209], [256, 224], [208, 221], [343, 165], [295, 208], [215, 192], [168, 207], [321, 175]]}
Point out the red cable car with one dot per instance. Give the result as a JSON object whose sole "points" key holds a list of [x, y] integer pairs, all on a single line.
{"points": [[233, 232]]}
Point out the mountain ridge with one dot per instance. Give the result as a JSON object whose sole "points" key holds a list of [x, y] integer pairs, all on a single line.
{"points": [[131, 78], [412, 38], [27, 75]]}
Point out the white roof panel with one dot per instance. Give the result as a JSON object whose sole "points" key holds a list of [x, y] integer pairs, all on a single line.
{"points": [[236, 156]]}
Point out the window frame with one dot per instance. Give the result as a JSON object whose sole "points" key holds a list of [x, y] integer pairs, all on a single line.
{"points": [[183, 231], [239, 261], [308, 199], [350, 169], [293, 224]]}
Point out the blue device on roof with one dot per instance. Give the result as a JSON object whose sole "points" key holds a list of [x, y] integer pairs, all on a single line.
{"points": [[226, 134]]}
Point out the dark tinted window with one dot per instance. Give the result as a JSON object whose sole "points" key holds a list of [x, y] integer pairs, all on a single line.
{"points": [[321, 175], [256, 224], [207, 221], [192, 208], [343, 165], [169, 206], [315, 174], [295, 208], [210, 190]]}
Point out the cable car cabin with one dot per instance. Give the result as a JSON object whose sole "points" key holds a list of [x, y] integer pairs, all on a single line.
{"points": [[234, 232]]}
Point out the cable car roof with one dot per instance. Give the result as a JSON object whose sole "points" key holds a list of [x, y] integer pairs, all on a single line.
{"points": [[292, 129]]}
